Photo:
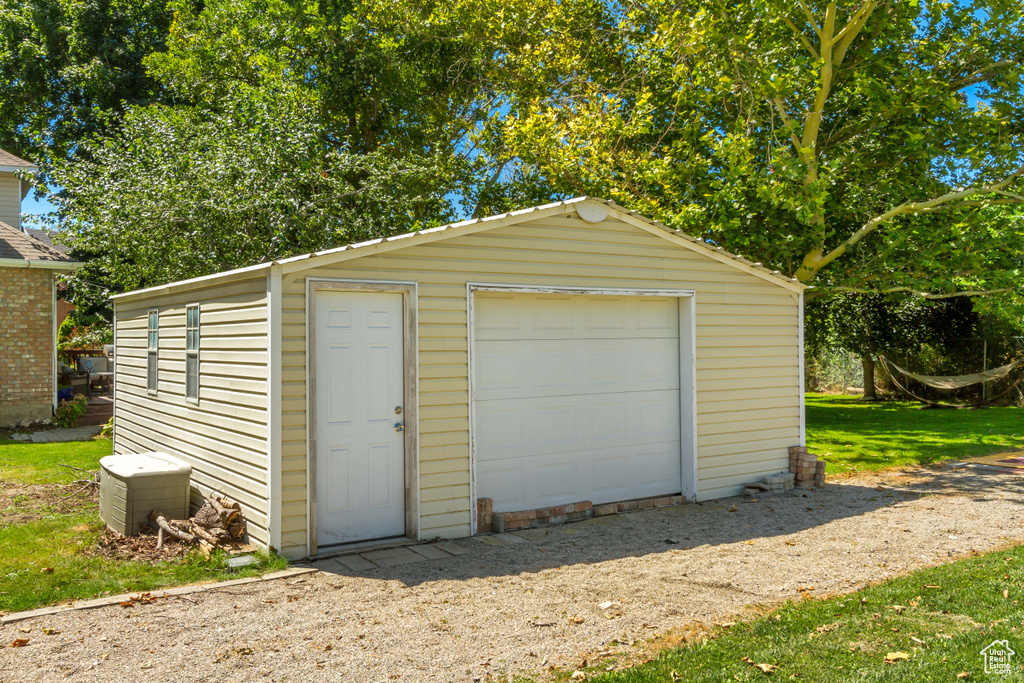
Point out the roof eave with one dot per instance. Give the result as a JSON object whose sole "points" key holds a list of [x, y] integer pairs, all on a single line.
{"points": [[40, 265]]}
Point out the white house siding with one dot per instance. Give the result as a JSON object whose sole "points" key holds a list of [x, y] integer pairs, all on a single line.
{"points": [[10, 200], [224, 436], [748, 389]]}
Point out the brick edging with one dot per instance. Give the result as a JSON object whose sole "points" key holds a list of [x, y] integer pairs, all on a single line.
{"points": [[500, 522]]}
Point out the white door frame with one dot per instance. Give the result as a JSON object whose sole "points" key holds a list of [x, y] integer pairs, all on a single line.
{"points": [[410, 357], [687, 372]]}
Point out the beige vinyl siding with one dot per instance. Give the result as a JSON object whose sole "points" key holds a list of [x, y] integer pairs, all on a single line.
{"points": [[10, 200], [224, 436], [747, 351]]}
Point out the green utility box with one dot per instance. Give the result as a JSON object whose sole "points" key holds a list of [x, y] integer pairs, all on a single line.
{"points": [[134, 484]]}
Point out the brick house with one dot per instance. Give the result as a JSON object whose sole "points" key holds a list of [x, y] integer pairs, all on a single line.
{"points": [[28, 325]]}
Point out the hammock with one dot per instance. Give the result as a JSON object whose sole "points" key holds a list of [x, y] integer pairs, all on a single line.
{"points": [[952, 382]]}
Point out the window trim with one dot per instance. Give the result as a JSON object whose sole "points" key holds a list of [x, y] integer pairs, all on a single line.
{"points": [[152, 350], [190, 353]]}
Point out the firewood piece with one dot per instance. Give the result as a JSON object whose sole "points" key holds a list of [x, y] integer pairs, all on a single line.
{"points": [[160, 538], [156, 517], [214, 537], [236, 530], [225, 502]]}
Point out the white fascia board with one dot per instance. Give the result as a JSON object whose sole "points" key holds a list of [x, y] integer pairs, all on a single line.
{"points": [[14, 169], [193, 283], [40, 265]]}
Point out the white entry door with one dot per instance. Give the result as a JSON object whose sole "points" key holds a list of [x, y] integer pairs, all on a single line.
{"points": [[360, 415], [576, 398]]}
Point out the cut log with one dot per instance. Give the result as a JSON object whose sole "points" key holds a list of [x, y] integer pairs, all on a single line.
{"points": [[157, 518], [207, 516], [225, 502], [236, 530], [214, 537]]}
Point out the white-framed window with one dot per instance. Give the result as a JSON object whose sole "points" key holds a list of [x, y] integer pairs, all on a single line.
{"points": [[192, 353], [152, 345]]}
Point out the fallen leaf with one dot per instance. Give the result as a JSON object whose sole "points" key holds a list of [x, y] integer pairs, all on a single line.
{"points": [[733, 509], [790, 542], [937, 587], [47, 570], [607, 605], [894, 657], [578, 676], [963, 674], [19, 642], [25, 630], [1006, 594], [576, 620], [676, 676], [50, 631], [147, 665]]}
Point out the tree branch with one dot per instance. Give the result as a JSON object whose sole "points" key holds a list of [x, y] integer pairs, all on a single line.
{"points": [[808, 270], [810, 17], [803, 39], [981, 74]]}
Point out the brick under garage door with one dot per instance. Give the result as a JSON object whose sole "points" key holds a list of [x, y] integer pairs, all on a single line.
{"points": [[576, 397]]}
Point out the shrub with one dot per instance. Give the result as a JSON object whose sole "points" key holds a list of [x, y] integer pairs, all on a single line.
{"points": [[69, 411]]}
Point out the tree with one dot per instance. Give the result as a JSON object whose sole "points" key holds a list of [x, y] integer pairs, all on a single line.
{"points": [[290, 127], [69, 69], [870, 147]]}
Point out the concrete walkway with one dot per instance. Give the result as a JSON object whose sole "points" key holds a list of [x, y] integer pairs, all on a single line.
{"points": [[58, 435]]}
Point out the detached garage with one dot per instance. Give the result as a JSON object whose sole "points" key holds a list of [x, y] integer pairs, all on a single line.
{"points": [[565, 353]]}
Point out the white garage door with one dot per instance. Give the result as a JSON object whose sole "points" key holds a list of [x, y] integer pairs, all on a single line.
{"points": [[576, 397]]}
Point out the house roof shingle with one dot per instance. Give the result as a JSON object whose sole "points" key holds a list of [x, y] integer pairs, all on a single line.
{"points": [[17, 245], [8, 159]]}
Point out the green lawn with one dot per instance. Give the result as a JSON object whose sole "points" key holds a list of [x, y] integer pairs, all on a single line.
{"points": [[48, 560], [853, 435], [36, 463]]}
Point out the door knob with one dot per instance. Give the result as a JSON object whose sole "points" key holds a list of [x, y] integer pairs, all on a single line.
{"points": [[399, 427], [398, 410]]}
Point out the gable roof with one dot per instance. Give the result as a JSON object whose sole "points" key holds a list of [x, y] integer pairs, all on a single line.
{"points": [[9, 160], [597, 208], [21, 249]]}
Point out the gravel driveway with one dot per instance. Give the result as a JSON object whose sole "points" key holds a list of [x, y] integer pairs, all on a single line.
{"points": [[521, 608]]}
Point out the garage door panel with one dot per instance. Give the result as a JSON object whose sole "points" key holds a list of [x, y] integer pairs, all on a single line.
{"points": [[600, 476], [551, 316], [576, 397], [532, 369], [579, 423]]}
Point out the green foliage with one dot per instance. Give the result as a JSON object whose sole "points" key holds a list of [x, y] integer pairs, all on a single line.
{"points": [[346, 122], [830, 145], [67, 67], [108, 429], [67, 413], [83, 331]]}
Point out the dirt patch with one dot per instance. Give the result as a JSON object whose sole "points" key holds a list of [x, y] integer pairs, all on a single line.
{"points": [[139, 548], [24, 503]]}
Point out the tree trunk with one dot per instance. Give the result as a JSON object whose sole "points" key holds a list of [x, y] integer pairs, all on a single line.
{"points": [[868, 363]]}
